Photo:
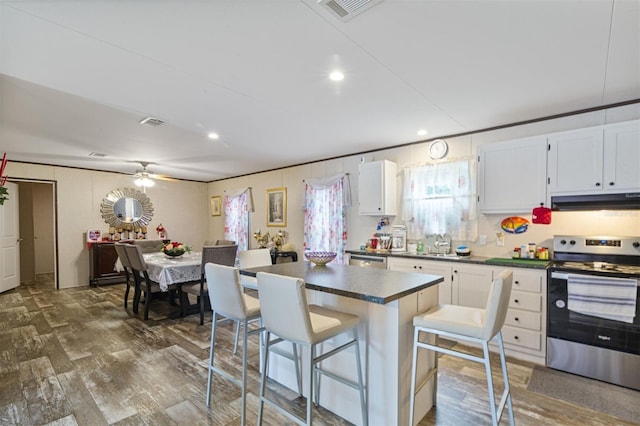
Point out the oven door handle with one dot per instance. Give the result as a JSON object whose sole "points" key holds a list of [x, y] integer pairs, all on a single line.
{"points": [[560, 275]]}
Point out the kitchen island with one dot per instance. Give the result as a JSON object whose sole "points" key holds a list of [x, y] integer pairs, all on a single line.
{"points": [[386, 302]]}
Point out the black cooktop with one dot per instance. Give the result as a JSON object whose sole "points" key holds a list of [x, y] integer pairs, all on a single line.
{"points": [[598, 268]]}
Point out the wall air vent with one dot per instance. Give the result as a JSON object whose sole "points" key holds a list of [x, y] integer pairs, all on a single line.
{"points": [[347, 9], [150, 121], [97, 154]]}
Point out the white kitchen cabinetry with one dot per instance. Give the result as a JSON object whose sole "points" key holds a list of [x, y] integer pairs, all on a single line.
{"points": [[595, 160], [426, 267], [512, 175], [470, 285], [524, 328], [377, 188], [622, 157]]}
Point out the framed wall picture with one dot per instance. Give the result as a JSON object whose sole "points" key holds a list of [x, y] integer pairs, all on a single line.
{"points": [[216, 206], [277, 207]]}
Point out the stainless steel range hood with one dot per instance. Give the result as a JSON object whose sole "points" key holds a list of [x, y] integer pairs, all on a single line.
{"points": [[623, 201]]}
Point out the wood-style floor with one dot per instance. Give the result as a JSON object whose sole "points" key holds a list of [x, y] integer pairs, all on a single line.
{"points": [[77, 356]]}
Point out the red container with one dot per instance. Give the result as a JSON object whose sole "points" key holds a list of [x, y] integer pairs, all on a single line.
{"points": [[541, 215]]}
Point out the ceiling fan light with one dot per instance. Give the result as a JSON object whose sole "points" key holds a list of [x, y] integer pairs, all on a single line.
{"points": [[144, 182]]}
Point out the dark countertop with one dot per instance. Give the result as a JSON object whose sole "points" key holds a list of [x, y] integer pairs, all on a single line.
{"points": [[372, 285], [480, 260]]}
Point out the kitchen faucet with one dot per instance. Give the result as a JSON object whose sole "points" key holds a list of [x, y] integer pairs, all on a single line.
{"points": [[443, 244]]}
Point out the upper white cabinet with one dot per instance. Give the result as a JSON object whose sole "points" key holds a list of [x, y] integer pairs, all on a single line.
{"points": [[512, 175], [377, 188], [621, 171], [598, 159]]}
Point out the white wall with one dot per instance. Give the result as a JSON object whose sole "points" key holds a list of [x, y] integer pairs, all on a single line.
{"points": [[182, 207], [360, 228]]}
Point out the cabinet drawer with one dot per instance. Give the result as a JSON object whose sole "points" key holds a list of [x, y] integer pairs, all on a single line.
{"points": [[527, 281], [518, 336], [528, 301], [524, 319]]}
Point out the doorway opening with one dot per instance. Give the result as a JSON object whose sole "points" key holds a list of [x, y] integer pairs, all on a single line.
{"points": [[38, 230]]}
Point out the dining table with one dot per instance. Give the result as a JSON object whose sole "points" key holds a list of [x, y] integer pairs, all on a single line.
{"points": [[168, 270], [386, 302]]}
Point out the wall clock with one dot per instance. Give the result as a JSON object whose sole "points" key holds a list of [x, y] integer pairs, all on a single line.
{"points": [[438, 149]]}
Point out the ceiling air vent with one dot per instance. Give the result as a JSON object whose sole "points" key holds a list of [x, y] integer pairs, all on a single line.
{"points": [[347, 9], [97, 154], [150, 121]]}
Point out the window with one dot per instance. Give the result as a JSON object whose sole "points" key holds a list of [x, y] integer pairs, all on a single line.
{"points": [[325, 225], [441, 198]]}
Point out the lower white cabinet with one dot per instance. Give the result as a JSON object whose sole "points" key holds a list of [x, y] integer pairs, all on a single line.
{"points": [[525, 328], [468, 284], [426, 267], [471, 284]]}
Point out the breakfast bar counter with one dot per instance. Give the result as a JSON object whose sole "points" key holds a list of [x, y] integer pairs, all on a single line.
{"points": [[386, 302]]}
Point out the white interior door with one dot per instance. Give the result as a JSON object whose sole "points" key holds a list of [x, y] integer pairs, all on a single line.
{"points": [[9, 241]]}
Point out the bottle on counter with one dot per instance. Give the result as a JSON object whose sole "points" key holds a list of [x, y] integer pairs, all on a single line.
{"points": [[420, 247], [516, 253]]}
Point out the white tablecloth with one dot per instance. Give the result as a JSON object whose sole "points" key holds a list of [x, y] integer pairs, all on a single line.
{"points": [[174, 270], [166, 271]]}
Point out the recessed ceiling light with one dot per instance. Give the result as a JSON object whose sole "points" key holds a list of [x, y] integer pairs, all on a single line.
{"points": [[213, 136], [336, 76], [422, 132]]}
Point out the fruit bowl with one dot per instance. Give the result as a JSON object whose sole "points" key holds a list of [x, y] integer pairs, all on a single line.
{"points": [[320, 257], [174, 252]]}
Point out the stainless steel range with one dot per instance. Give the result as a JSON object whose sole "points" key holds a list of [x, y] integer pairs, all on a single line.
{"points": [[593, 318]]}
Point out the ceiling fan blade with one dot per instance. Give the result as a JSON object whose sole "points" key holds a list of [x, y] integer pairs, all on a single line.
{"points": [[163, 177]]}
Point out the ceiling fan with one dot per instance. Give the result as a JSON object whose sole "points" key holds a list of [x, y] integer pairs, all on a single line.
{"points": [[145, 177]]}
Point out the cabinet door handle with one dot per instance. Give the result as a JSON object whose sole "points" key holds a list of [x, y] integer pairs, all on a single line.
{"points": [[419, 267], [611, 183], [516, 301], [516, 282], [517, 319], [515, 337], [597, 183]]}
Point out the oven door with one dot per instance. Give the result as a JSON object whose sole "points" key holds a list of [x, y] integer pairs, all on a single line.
{"points": [[587, 329]]}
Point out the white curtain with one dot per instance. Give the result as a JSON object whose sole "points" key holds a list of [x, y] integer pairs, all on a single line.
{"points": [[325, 225], [441, 198]]}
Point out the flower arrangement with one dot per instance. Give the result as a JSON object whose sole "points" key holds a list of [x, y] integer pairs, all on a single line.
{"points": [[162, 232], [268, 241], [174, 249]]}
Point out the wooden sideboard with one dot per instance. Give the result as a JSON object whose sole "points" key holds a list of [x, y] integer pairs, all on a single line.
{"points": [[102, 261]]}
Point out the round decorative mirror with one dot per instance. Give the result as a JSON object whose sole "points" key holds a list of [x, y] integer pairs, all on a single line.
{"points": [[126, 207]]}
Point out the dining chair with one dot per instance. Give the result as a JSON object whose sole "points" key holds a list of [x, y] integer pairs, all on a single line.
{"points": [[219, 254], [477, 325], [149, 246], [143, 283], [229, 301], [218, 243], [128, 272], [286, 313], [253, 259]]}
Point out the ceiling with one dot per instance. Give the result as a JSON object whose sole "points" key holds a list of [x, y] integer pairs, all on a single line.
{"points": [[76, 77]]}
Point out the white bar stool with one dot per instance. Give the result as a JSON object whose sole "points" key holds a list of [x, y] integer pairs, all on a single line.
{"points": [[229, 301], [285, 313], [473, 325]]}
